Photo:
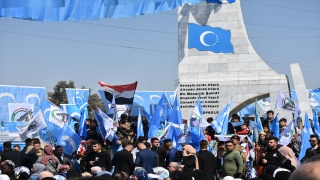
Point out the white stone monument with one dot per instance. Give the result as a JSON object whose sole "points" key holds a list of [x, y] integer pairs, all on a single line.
{"points": [[233, 69]]}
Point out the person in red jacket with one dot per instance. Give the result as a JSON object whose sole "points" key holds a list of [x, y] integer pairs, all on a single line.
{"points": [[244, 130]]}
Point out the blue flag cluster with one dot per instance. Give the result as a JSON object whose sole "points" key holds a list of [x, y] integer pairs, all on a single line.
{"points": [[306, 132], [206, 38]]}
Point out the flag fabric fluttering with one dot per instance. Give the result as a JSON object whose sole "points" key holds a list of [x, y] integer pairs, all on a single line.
{"points": [[139, 126], [176, 116], [286, 103], [160, 116], [286, 134], [220, 124], [257, 125], [113, 110], [316, 123], [108, 125], [306, 132], [275, 127], [69, 140], [82, 105], [123, 93], [194, 122], [35, 125], [99, 120]]}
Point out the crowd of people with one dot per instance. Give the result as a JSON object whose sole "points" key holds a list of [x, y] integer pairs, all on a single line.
{"points": [[144, 158]]}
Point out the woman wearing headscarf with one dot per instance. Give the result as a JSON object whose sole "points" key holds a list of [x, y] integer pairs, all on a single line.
{"points": [[289, 161], [30, 157], [190, 160], [49, 160], [261, 151]]}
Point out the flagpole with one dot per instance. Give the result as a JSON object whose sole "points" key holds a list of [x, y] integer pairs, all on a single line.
{"points": [[133, 99], [49, 135]]}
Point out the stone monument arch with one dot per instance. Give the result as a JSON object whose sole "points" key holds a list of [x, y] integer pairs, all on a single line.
{"points": [[217, 61]]}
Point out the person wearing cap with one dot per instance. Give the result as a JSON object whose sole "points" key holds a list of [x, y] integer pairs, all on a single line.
{"points": [[237, 147], [10, 154]]}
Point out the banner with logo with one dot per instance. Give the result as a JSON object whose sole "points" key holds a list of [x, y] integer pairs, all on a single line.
{"points": [[20, 112], [20, 94], [57, 116]]}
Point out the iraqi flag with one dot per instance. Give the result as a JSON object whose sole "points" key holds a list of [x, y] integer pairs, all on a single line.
{"points": [[123, 94]]}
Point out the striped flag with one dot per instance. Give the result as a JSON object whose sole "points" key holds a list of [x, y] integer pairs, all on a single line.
{"points": [[123, 93]]}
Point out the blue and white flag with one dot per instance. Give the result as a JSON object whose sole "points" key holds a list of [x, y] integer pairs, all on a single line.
{"points": [[257, 124], [69, 140], [287, 134], [71, 94], [194, 122], [34, 126], [306, 132], [73, 112], [139, 126], [220, 124], [176, 116], [108, 124], [275, 127], [234, 124], [113, 110], [82, 105], [99, 120], [316, 123], [206, 38], [160, 116]]}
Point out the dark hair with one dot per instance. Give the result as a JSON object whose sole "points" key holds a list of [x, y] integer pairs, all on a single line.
{"points": [[148, 145], [58, 146], [16, 146], [270, 111], [75, 124], [235, 116], [123, 116], [209, 119], [93, 128], [94, 121], [94, 142], [178, 156], [203, 144], [283, 119], [273, 138], [142, 138], [7, 144], [228, 142], [154, 139], [210, 131], [314, 136], [89, 119], [36, 142], [167, 141], [118, 176]]}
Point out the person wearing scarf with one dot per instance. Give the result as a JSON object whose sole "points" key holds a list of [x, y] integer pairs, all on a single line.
{"points": [[288, 155], [190, 160], [49, 160]]}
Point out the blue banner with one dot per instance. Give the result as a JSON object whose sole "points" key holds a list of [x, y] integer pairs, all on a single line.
{"points": [[20, 94]]}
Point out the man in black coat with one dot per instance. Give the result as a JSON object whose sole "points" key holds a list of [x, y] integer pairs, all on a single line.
{"points": [[162, 153], [63, 158], [10, 154], [123, 160], [231, 129], [207, 161], [273, 155], [313, 150], [146, 158], [99, 157]]}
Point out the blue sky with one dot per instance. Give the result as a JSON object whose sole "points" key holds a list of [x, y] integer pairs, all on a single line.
{"points": [[144, 48]]}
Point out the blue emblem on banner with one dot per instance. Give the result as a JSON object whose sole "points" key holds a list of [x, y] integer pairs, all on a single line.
{"points": [[206, 38]]}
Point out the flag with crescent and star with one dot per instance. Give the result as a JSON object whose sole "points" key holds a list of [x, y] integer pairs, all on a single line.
{"points": [[68, 139], [206, 38]]}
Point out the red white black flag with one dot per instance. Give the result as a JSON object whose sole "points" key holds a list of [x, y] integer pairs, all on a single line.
{"points": [[123, 94]]}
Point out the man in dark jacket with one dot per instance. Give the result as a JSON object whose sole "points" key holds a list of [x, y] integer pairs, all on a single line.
{"points": [[231, 129], [63, 158], [313, 150], [207, 161], [123, 160], [162, 153], [99, 157], [10, 154], [146, 158], [273, 155]]}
